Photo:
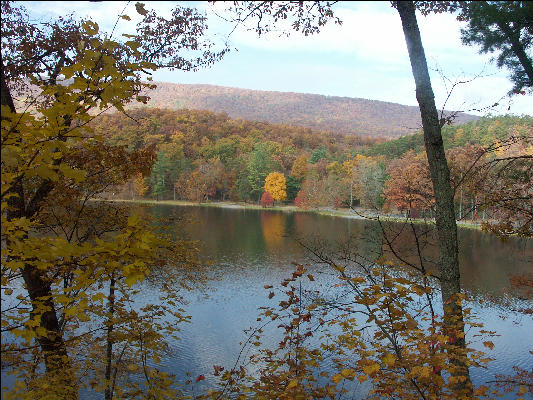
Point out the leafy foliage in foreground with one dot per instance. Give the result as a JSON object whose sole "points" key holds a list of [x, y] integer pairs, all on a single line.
{"points": [[70, 265], [381, 326]]}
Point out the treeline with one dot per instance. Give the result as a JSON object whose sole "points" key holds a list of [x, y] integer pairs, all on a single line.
{"points": [[203, 156], [484, 132], [207, 156]]}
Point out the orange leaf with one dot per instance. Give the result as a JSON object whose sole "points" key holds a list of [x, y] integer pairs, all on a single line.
{"points": [[489, 344]]}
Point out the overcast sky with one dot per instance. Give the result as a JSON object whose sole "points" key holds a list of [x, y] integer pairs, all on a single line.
{"points": [[365, 57]]}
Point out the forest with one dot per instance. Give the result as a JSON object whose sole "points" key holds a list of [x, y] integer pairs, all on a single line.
{"points": [[362, 117], [98, 295], [203, 156]]}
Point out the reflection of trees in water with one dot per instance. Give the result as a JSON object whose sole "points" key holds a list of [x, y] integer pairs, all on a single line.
{"points": [[371, 241], [486, 262], [273, 226]]}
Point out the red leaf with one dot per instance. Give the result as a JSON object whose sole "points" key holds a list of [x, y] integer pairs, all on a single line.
{"points": [[200, 378]]}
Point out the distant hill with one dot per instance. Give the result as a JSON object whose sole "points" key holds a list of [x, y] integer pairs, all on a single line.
{"points": [[325, 113]]}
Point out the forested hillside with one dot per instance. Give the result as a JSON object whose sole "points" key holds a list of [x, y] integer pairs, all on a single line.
{"points": [[485, 131], [203, 156], [325, 113]]}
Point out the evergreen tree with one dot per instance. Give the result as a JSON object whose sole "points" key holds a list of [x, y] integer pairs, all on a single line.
{"points": [[293, 187], [260, 164], [158, 179], [501, 27], [318, 155]]}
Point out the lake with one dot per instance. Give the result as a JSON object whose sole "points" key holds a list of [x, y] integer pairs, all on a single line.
{"points": [[252, 248]]}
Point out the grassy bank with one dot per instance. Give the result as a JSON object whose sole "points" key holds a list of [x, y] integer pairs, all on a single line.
{"points": [[341, 212]]}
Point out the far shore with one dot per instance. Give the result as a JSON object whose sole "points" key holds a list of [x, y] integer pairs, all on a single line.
{"points": [[357, 213]]}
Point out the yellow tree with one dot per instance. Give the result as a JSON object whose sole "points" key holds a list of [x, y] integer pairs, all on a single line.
{"points": [[275, 184], [299, 167], [139, 185], [60, 252]]}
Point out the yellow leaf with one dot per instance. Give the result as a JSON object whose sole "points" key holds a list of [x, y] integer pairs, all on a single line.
{"points": [[348, 373], [140, 8], [370, 369], [388, 359], [90, 27], [292, 384], [133, 279], [75, 174], [336, 378], [339, 268], [40, 331], [424, 372]]}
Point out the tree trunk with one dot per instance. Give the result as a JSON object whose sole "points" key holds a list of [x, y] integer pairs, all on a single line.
{"points": [[461, 205], [351, 195], [109, 350], [52, 344], [444, 209]]}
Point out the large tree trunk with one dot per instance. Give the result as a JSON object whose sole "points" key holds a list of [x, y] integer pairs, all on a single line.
{"points": [[52, 344], [440, 176]]}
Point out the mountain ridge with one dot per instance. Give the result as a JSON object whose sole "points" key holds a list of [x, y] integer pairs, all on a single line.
{"points": [[347, 115]]}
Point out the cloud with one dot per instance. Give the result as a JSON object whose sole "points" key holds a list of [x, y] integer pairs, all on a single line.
{"points": [[365, 57], [105, 13], [367, 33]]}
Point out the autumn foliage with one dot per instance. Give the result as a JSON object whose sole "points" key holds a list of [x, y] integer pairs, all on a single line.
{"points": [[275, 184], [409, 185], [69, 264], [206, 156], [299, 200], [267, 200], [351, 116]]}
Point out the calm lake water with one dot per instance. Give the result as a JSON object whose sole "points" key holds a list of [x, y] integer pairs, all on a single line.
{"points": [[248, 249], [252, 248]]}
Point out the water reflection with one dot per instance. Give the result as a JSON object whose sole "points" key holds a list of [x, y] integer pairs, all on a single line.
{"points": [[273, 226], [256, 247], [233, 234]]}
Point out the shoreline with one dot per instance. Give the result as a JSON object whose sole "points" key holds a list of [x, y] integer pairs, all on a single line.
{"points": [[341, 212]]}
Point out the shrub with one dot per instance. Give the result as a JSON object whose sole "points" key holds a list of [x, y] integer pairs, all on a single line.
{"points": [[267, 200]]}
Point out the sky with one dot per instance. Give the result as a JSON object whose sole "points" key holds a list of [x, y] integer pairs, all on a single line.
{"points": [[365, 57]]}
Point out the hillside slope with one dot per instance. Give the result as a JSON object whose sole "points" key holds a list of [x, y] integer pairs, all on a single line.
{"points": [[325, 113]]}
